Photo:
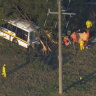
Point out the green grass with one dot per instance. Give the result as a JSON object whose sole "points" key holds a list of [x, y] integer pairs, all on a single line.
{"points": [[35, 76]]}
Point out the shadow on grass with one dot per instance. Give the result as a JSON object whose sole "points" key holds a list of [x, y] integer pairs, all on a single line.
{"points": [[51, 59], [82, 81], [27, 61], [30, 59], [19, 67]]}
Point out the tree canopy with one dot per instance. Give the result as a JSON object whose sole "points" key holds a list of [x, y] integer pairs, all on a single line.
{"points": [[36, 11]]}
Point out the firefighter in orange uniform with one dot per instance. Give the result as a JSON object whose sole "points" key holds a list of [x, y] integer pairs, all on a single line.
{"points": [[66, 41]]}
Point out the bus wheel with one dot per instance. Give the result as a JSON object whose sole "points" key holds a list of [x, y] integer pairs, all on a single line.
{"points": [[15, 41]]}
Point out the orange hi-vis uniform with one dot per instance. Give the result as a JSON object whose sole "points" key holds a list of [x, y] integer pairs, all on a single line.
{"points": [[81, 45], [66, 40], [86, 36], [74, 37]]}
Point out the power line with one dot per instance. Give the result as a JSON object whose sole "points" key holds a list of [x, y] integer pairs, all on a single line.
{"points": [[60, 40], [60, 44]]}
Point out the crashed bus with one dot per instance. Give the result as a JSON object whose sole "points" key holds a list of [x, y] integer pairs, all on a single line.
{"points": [[21, 32]]}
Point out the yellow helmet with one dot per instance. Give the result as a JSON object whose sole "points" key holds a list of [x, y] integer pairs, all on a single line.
{"points": [[88, 24], [4, 65]]}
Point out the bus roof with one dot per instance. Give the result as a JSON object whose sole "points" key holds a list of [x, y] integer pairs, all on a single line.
{"points": [[24, 25]]}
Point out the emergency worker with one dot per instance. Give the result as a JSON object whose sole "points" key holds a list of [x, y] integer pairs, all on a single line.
{"points": [[74, 37], [88, 24], [4, 70], [66, 40], [81, 45]]}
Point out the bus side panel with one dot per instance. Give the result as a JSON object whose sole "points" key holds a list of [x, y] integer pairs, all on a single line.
{"points": [[6, 36], [22, 43], [2, 34], [10, 38]]}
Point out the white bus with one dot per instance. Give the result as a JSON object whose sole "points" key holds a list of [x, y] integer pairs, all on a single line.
{"points": [[21, 32]]}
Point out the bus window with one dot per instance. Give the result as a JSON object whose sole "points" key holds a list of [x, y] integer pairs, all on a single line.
{"points": [[34, 35], [4, 25], [22, 34], [9, 27], [13, 28]]}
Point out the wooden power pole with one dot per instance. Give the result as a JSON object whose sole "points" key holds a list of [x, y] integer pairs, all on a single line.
{"points": [[60, 47], [60, 42]]}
